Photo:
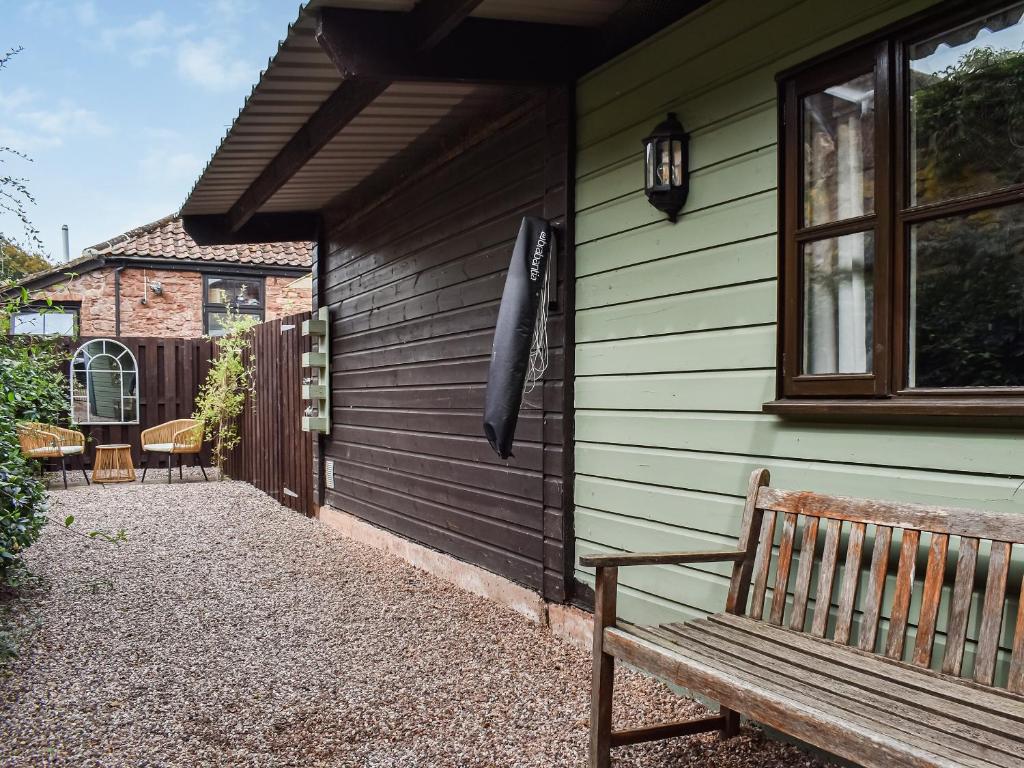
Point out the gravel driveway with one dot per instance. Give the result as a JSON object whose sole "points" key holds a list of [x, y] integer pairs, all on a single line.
{"points": [[229, 631]]}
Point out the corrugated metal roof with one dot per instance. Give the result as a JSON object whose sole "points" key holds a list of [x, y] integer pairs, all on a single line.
{"points": [[300, 77]]}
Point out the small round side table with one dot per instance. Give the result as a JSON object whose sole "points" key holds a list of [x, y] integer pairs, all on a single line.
{"points": [[113, 464]]}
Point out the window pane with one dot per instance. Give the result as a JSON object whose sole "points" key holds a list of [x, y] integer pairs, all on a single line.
{"points": [[215, 320], [663, 179], [839, 151], [235, 292], [967, 108], [838, 302], [677, 163], [649, 167], [215, 323], [27, 322], [59, 323], [967, 300]]}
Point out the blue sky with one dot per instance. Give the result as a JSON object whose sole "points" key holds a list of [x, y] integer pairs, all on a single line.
{"points": [[120, 103]]}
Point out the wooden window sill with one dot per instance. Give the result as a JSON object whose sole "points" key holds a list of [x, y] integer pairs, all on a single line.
{"points": [[899, 406]]}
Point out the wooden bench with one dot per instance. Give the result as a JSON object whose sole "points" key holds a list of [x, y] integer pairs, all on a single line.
{"points": [[833, 682]]}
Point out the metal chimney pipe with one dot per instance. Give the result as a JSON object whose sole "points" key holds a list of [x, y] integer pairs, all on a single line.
{"points": [[67, 246]]}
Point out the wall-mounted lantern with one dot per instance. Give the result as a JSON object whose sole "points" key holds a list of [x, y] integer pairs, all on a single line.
{"points": [[666, 175]]}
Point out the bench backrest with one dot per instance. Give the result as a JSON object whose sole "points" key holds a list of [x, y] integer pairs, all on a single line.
{"points": [[813, 527]]}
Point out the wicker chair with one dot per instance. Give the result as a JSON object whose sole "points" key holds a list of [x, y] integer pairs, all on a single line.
{"points": [[45, 441], [174, 438]]}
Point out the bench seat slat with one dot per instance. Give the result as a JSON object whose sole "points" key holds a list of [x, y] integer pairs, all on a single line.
{"points": [[1016, 677], [992, 613], [782, 569], [762, 564], [900, 612], [803, 574], [994, 701], [881, 692], [960, 606], [803, 716], [916, 728], [851, 577], [933, 577], [876, 585], [826, 578]]}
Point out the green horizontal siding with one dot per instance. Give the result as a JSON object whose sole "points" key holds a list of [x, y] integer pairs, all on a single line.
{"points": [[675, 324]]}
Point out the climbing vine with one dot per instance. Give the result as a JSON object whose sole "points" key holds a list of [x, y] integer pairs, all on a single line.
{"points": [[230, 381]]}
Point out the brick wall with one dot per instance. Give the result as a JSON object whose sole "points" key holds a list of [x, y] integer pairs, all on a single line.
{"points": [[288, 296], [176, 312]]}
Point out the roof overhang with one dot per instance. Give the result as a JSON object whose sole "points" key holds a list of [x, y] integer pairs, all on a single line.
{"points": [[63, 274], [362, 93]]}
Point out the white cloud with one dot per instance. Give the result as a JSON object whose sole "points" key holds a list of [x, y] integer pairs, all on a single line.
{"points": [[66, 120], [144, 39], [29, 125], [12, 101], [210, 64]]}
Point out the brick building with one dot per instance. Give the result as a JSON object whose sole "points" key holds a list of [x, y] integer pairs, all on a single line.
{"points": [[156, 281]]}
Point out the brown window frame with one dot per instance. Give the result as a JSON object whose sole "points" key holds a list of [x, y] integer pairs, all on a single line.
{"points": [[884, 390]]}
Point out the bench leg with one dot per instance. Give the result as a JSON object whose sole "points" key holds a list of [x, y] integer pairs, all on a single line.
{"points": [[604, 670], [732, 722]]}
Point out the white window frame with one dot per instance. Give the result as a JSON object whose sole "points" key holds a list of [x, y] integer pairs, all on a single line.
{"points": [[117, 358]]}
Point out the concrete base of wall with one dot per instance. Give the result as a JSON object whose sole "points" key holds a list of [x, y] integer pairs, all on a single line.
{"points": [[572, 625], [468, 577]]}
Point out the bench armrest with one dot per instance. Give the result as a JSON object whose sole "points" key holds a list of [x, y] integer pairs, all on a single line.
{"points": [[661, 558]]}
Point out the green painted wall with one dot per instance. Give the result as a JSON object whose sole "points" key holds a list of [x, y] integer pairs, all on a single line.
{"points": [[675, 324]]}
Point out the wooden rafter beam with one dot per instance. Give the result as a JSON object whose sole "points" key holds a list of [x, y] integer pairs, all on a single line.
{"points": [[213, 229], [377, 44], [432, 22], [429, 22]]}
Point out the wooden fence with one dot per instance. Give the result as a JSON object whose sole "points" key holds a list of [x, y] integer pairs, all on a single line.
{"points": [[170, 374], [275, 455]]}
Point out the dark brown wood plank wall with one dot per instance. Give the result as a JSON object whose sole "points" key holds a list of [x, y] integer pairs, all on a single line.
{"points": [[414, 285]]}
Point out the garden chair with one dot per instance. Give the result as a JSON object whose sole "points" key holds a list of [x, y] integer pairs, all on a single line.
{"points": [[181, 436], [45, 441]]}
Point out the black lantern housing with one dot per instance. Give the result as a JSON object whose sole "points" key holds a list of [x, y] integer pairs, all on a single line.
{"points": [[666, 171]]}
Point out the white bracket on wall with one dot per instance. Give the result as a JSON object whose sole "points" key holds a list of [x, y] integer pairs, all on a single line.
{"points": [[317, 387]]}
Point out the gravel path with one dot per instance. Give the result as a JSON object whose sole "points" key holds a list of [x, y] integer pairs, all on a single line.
{"points": [[229, 631]]}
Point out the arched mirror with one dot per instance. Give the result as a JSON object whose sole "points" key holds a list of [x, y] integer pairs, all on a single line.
{"points": [[104, 384]]}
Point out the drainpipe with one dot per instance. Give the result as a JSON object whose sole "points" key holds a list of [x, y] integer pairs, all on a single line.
{"points": [[117, 300]]}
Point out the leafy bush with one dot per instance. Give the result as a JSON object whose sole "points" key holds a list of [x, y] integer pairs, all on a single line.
{"points": [[33, 387], [229, 382]]}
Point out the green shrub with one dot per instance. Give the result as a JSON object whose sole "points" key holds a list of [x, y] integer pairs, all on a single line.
{"points": [[230, 381], [33, 387]]}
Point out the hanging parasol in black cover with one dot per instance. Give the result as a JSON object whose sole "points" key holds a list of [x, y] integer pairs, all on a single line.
{"points": [[515, 331]]}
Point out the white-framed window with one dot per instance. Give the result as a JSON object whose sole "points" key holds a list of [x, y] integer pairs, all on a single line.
{"points": [[104, 384], [45, 321]]}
